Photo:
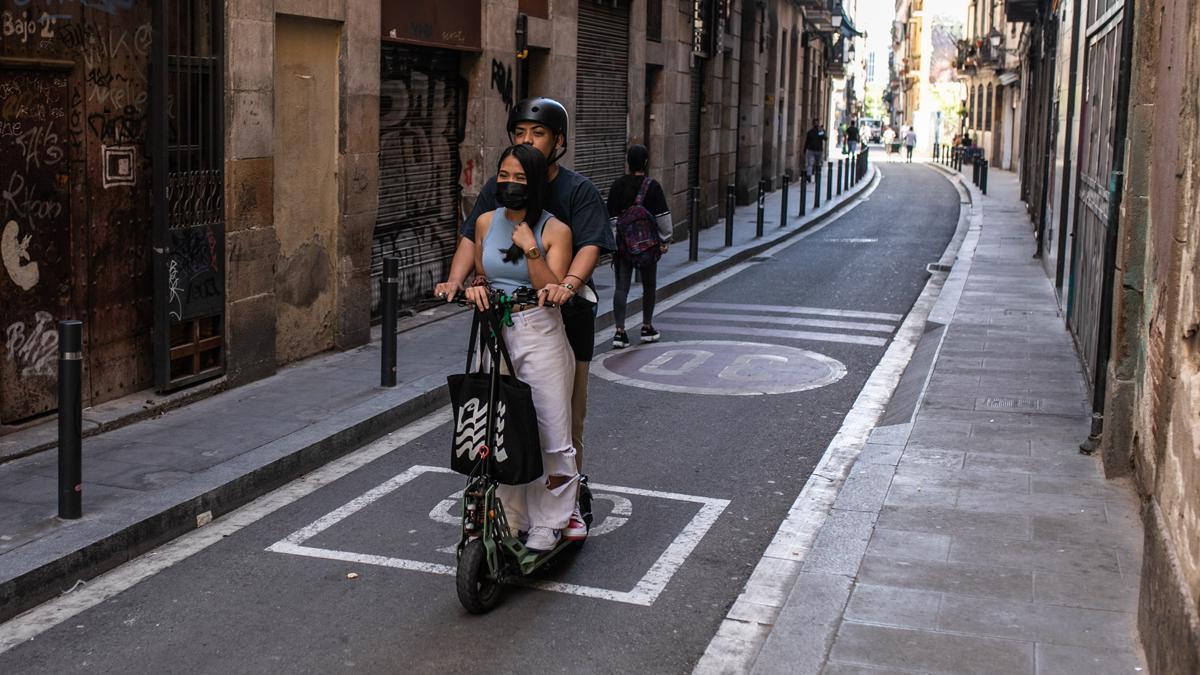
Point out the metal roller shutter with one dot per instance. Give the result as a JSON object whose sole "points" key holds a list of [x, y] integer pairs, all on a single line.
{"points": [[601, 95], [420, 122]]}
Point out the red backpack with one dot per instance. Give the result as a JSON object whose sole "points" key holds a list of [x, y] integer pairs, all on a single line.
{"points": [[637, 232]]}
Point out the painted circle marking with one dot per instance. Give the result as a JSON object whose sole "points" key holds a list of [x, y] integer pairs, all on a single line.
{"points": [[719, 367]]}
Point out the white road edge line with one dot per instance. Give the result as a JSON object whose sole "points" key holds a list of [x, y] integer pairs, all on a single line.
{"points": [[29, 625], [644, 592], [738, 640]]}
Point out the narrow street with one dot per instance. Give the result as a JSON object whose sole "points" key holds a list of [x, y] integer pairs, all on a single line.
{"points": [[691, 484]]}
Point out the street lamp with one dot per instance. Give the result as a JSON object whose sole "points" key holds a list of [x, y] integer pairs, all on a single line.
{"points": [[836, 19], [995, 38], [850, 54]]}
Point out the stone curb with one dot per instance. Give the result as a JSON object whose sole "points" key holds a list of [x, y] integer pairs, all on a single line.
{"points": [[100, 544]]}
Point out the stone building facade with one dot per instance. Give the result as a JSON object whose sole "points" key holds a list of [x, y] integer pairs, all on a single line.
{"points": [[221, 181], [301, 177], [1109, 177], [1152, 410], [718, 90]]}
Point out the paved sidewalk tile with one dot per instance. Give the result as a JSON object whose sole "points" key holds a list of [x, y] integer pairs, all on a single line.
{"points": [[998, 547], [930, 652]]}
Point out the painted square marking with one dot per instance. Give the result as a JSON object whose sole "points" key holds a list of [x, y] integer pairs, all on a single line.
{"points": [[643, 593], [119, 161]]}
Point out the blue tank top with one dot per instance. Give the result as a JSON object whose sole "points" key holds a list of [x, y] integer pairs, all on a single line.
{"points": [[507, 276]]}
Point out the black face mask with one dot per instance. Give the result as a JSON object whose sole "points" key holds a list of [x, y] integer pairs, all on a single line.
{"points": [[512, 195]]}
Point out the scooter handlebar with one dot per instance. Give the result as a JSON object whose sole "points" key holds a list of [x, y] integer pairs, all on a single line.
{"points": [[521, 296]]}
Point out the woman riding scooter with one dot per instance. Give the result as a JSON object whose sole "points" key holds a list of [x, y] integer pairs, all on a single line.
{"points": [[510, 254]]}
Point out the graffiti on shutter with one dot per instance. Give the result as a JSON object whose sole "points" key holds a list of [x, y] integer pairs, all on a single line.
{"points": [[420, 127]]}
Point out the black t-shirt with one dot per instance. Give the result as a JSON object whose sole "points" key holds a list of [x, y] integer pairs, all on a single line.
{"points": [[852, 133], [623, 194], [814, 140], [576, 202]]}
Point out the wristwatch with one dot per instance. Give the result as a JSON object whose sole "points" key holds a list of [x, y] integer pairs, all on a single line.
{"points": [[533, 253]]}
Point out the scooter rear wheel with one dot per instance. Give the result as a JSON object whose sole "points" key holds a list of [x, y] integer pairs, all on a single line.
{"points": [[477, 591]]}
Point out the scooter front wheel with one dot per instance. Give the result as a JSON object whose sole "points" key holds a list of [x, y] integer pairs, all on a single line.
{"points": [[478, 592]]}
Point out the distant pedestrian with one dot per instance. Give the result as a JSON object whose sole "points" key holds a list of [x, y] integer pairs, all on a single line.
{"points": [[814, 149], [852, 137], [638, 208], [889, 137], [910, 141]]}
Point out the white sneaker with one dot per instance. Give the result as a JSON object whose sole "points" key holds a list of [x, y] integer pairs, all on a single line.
{"points": [[542, 539], [577, 529]]}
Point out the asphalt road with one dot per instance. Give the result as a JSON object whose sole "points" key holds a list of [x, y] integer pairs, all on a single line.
{"points": [[692, 488]]}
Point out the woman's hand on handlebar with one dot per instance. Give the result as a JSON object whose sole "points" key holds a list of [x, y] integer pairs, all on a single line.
{"points": [[478, 296], [554, 294], [448, 290]]}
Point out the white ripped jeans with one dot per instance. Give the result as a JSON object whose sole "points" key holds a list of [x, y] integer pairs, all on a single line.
{"points": [[542, 357]]}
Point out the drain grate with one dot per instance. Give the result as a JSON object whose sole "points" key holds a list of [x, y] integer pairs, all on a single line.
{"points": [[1001, 403]]}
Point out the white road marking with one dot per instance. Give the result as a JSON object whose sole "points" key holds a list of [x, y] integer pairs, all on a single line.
{"points": [[787, 309], [664, 304], [622, 509], [773, 332], [644, 593], [36, 621], [783, 321], [836, 370]]}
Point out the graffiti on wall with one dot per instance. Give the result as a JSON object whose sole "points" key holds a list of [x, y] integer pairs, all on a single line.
{"points": [[14, 250], [84, 126], [34, 238], [419, 172], [31, 348], [502, 82]]}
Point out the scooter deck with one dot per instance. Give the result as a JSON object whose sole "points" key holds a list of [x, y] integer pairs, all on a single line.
{"points": [[527, 560]]}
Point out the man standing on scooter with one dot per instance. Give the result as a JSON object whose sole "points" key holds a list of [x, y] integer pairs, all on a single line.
{"points": [[543, 123]]}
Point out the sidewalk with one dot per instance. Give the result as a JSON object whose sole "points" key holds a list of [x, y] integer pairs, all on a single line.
{"points": [[970, 535], [150, 480]]}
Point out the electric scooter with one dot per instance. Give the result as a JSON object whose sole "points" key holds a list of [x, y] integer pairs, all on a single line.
{"points": [[489, 553]]}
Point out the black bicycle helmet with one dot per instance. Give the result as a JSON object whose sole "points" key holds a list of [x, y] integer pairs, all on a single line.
{"points": [[545, 111]]}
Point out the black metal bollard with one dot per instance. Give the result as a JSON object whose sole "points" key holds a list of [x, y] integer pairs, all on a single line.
{"points": [[762, 207], [803, 195], [829, 183], [70, 419], [730, 205], [389, 287], [783, 216], [841, 185], [817, 186], [975, 170], [694, 226], [983, 176]]}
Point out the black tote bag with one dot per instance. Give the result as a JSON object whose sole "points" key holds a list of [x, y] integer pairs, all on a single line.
{"points": [[517, 457]]}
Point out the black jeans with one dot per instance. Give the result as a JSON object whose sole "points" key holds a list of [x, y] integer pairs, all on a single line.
{"points": [[624, 272]]}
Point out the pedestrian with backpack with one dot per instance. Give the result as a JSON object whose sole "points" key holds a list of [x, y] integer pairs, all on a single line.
{"points": [[639, 211]]}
